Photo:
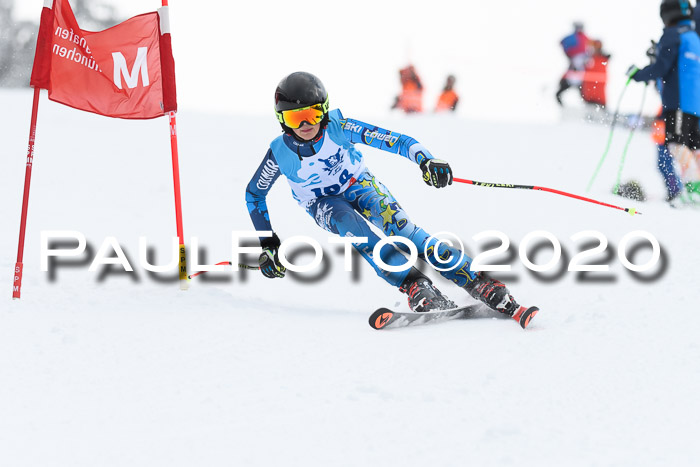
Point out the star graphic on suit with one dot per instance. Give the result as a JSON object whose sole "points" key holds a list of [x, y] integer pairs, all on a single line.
{"points": [[367, 213], [388, 215], [365, 183]]}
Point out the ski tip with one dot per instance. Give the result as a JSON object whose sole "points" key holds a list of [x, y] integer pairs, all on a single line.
{"points": [[524, 315], [380, 318]]}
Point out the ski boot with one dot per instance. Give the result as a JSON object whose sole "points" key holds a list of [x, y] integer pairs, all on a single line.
{"points": [[496, 296], [423, 296]]}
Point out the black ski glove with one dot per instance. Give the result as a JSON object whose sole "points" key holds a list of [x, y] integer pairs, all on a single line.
{"points": [[436, 172], [269, 261]]}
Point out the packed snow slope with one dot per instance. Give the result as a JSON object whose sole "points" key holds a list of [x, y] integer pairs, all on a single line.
{"points": [[110, 368]]}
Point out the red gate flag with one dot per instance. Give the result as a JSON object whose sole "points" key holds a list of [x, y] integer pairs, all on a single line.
{"points": [[126, 71]]}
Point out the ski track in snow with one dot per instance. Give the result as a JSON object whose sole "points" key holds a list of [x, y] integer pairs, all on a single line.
{"points": [[248, 371]]}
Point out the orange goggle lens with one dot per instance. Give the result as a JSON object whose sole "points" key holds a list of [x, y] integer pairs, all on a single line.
{"points": [[294, 118], [311, 115]]}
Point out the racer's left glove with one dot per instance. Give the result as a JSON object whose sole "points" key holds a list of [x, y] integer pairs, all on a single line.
{"points": [[436, 173]]}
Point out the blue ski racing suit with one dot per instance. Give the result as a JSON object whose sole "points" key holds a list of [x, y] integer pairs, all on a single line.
{"points": [[329, 180]]}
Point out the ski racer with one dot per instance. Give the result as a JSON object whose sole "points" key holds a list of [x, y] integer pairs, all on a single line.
{"points": [[677, 65], [329, 179]]}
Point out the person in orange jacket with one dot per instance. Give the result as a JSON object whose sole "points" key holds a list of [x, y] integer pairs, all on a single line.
{"points": [[449, 98], [595, 75], [411, 98]]}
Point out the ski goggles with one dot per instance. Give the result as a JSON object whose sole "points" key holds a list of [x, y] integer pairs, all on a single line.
{"points": [[312, 115]]}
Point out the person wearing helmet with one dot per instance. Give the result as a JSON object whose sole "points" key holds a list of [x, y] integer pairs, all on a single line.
{"points": [[677, 66], [575, 47], [329, 179]]}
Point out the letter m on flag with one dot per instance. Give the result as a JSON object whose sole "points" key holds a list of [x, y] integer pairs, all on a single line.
{"points": [[140, 68]]}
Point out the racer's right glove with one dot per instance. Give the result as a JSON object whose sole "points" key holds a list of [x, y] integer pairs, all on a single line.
{"points": [[269, 260]]}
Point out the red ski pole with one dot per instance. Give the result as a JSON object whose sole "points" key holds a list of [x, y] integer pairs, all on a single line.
{"points": [[632, 211], [225, 263]]}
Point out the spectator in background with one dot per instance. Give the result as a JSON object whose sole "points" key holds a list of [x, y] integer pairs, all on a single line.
{"points": [[411, 98], [680, 94], [575, 47], [595, 75], [449, 98], [665, 162]]}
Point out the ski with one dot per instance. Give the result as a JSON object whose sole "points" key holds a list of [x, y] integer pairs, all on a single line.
{"points": [[524, 315], [384, 318]]}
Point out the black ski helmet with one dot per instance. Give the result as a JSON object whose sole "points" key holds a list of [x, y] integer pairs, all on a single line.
{"points": [[297, 90], [673, 11]]}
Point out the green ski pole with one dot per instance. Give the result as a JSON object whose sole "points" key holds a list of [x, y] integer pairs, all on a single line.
{"points": [[629, 139], [610, 135]]}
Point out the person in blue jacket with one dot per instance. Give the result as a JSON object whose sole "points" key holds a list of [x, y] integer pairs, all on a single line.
{"points": [[665, 162], [677, 65], [329, 179], [575, 47]]}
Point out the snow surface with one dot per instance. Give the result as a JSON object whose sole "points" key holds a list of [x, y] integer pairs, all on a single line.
{"points": [[126, 370]]}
